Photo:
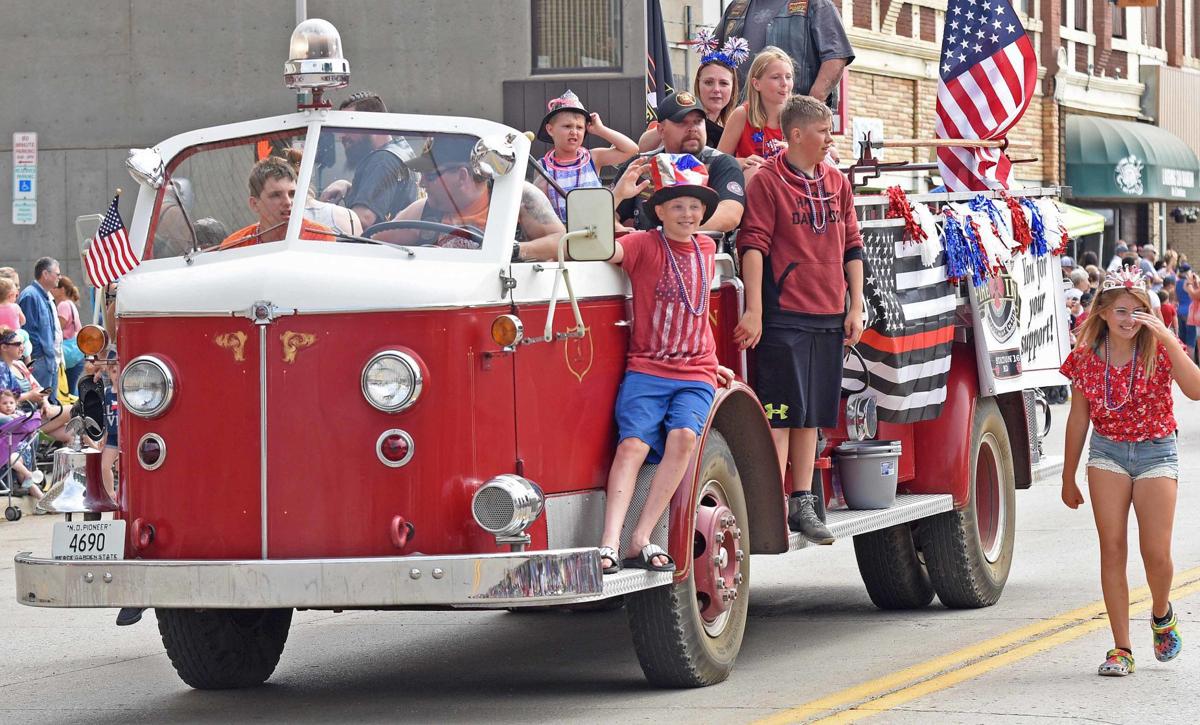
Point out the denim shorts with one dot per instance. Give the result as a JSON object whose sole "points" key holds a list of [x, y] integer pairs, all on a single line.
{"points": [[649, 406], [1154, 458]]}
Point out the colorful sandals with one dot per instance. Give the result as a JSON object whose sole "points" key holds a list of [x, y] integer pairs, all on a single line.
{"points": [[1118, 664], [1167, 640]]}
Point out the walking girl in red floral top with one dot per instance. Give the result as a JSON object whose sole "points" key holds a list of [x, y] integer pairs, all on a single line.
{"points": [[1121, 369]]}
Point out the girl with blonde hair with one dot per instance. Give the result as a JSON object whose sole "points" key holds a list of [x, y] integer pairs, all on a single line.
{"points": [[1121, 371], [752, 133]]}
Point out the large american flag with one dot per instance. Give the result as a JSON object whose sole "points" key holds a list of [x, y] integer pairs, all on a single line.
{"points": [[109, 256], [987, 76]]}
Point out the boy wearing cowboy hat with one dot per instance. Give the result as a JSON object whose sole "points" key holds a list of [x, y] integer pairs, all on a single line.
{"points": [[672, 370], [566, 125]]}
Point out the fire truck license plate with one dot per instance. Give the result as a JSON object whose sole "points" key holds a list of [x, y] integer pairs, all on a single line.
{"points": [[91, 540]]}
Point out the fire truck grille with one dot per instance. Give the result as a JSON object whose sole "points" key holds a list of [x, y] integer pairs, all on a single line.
{"points": [[493, 508]]}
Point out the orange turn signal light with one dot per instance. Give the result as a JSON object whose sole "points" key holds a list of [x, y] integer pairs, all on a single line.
{"points": [[507, 330], [92, 339]]}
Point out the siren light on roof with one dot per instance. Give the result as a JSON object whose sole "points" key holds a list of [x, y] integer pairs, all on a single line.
{"points": [[315, 59]]}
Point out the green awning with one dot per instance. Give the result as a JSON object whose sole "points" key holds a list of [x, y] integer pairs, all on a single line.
{"points": [[1126, 161], [1081, 222]]}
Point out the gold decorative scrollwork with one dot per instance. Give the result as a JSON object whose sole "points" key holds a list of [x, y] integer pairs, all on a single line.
{"points": [[580, 354], [235, 341], [294, 342]]}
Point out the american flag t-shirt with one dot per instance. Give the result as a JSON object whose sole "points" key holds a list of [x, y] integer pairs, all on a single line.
{"points": [[987, 75], [109, 256]]}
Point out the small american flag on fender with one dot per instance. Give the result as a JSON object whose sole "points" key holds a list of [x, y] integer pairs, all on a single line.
{"points": [[109, 256], [987, 76]]}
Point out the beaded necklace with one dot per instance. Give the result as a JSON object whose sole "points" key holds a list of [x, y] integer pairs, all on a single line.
{"points": [[698, 308], [1107, 385], [807, 193]]}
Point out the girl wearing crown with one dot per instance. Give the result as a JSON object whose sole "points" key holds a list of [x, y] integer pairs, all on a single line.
{"points": [[716, 85], [753, 134], [566, 124], [1121, 371]]}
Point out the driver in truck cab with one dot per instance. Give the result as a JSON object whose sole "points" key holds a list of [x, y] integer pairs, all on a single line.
{"points": [[456, 196], [272, 193]]}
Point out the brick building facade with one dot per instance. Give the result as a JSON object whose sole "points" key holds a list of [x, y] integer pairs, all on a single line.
{"points": [[1126, 65]]}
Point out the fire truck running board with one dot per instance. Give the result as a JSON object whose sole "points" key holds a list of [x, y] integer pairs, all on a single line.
{"points": [[844, 524], [628, 581], [847, 523]]}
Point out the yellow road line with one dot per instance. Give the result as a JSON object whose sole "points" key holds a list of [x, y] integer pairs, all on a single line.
{"points": [[949, 669]]}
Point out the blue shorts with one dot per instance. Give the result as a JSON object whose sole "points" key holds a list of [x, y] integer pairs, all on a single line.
{"points": [[649, 406], [1154, 458]]}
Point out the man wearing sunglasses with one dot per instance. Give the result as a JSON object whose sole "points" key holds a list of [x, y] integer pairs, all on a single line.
{"points": [[41, 322], [456, 196]]}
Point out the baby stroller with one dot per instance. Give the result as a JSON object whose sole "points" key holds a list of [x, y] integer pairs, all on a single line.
{"points": [[18, 439]]}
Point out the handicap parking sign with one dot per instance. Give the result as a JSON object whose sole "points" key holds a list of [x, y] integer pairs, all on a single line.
{"points": [[25, 185]]}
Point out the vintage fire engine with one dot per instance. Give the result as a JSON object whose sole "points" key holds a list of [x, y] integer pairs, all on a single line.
{"points": [[316, 425]]}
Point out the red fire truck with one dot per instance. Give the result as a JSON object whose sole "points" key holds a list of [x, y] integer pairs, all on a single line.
{"points": [[315, 425]]}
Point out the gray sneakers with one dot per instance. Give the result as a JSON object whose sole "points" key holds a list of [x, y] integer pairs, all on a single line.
{"points": [[802, 517]]}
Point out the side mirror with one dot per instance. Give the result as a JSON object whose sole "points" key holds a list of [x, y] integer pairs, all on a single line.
{"points": [[146, 167], [494, 156], [590, 210]]}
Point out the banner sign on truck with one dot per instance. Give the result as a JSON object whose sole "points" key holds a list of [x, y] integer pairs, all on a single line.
{"points": [[1020, 320]]}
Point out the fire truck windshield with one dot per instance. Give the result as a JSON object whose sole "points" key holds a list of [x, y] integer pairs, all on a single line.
{"points": [[401, 188]]}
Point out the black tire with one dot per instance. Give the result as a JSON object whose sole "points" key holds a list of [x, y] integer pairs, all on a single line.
{"points": [[969, 570], [223, 649], [676, 645], [891, 570], [12, 513]]}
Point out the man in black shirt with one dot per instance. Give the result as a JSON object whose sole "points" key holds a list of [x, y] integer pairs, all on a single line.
{"points": [[681, 122], [382, 184], [809, 31]]}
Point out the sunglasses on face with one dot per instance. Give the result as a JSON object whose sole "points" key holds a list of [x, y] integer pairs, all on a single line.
{"points": [[11, 344], [438, 173], [1124, 313]]}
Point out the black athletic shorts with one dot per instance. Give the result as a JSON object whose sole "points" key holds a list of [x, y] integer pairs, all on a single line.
{"points": [[799, 376]]}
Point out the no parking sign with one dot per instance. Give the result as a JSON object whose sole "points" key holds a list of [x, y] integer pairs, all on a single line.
{"points": [[24, 209]]}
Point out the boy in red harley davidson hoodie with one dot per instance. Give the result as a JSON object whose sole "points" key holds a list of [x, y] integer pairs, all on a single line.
{"points": [[801, 253]]}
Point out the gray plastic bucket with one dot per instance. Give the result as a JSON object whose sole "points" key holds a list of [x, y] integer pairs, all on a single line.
{"points": [[867, 471]]}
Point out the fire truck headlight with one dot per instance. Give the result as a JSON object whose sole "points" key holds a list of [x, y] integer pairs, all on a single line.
{"points": [[147, 387], [392, 381], [507, 505]]}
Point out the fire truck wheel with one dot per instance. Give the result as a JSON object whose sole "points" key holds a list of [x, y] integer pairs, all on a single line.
{"points": [[688, 634], [223, 649], [968, 552], [891, 570]]}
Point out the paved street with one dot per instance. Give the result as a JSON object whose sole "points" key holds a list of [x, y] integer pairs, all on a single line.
{"points": [[815, 646]]}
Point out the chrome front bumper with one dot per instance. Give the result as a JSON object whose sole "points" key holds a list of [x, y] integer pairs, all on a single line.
{"points": [[483, 581]]}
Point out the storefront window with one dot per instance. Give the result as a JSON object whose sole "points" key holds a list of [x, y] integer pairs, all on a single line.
{"points": [[1150, 27], [576, 36]]}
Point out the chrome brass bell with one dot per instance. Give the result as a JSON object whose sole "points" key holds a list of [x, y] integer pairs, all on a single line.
{"points": [[77, 482]]}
